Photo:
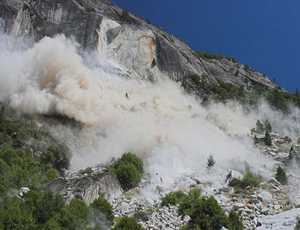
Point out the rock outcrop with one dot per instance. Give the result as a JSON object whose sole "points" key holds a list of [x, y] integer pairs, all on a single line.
{"points": [[143, 48], [87, 185]]}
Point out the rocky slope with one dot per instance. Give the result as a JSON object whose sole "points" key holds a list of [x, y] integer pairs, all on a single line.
{"points": [[116, 112], [143, 48]]}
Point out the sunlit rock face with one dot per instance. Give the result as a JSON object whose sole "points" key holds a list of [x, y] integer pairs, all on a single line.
{"points": [[141, 47], [130, 46]]}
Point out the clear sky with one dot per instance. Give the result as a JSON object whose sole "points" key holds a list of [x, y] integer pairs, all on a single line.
{"points": [[264, 34]]}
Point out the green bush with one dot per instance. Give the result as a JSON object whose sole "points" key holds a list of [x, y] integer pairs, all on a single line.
{"points": [[19, 168], [235, 221], [127, 223], [251, 180], [209, 56], [172, 198], [205, 213], [102, 205], [279, 100], [129, 170], [281, 176], [248, 180], [43, 210]]}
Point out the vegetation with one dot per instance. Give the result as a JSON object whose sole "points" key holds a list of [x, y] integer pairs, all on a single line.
{"points": [[29, 159], [43, 210], [268, 126], [248, 180], [210, 161], [19, 168], [173, 198], [205, 212], [210, 56], [127, 223], [223, 92], [24, 135], [260, 128], [235, 221], [129, 170], [268, 139], [281, 176], [144, 214], [104, 207]]}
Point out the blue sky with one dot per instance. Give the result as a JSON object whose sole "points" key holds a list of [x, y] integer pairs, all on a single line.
{"points": [[264, 34]]}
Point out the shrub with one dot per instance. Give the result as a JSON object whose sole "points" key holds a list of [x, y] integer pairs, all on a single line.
{"points": [[279, 100], [73, 215], [172, 198], [205, 212], [19, 168], [44, 205], [127, 223], [248, 180], [102, 205], [251, 180], [268, 126], [268, 139], [129, 171], [210, 161], [259, 127], [235, 221], [281, 176]]}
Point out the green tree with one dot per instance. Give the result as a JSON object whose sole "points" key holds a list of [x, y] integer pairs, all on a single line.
{"points": [[127, 223], [234, 221], [268, 126], [268, 139], [259, 127], [173, 198], [102, 205], [281, 176], [210, 161], [205, 212], [129, 170]]}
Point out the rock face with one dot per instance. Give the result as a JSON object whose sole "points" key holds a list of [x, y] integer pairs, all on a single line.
{"points": [[87, 185], [143, 48]]}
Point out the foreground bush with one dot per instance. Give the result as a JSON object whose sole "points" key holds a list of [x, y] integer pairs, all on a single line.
{"points": [[46, 211], [172, 198], [129, 170], [103, 206], [19, 168], [205, 212], [127, 223], [235, 221]]}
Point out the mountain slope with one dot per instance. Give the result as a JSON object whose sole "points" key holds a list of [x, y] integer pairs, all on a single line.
{"points": [[141, 47]]}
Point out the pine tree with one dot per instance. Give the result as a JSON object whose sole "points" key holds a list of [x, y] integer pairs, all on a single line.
{"points": [[259, 127], [210, 161], [268, 126], [268, 139]]}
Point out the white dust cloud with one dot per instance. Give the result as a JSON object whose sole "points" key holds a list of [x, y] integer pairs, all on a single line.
{"points": [[158, 121]]}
